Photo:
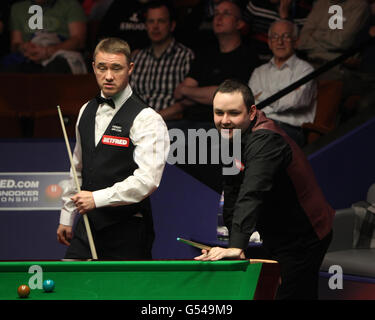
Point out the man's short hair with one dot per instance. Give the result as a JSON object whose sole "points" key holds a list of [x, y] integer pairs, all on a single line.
{"points": [[239, 4], [234, 85], [114, 45], [162, 3], [292, 25]]}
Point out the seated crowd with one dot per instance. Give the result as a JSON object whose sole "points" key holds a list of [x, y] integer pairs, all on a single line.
{"points": [[183, 50]]}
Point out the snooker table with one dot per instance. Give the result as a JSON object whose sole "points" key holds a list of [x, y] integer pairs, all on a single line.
{"points": [[143, 280]]}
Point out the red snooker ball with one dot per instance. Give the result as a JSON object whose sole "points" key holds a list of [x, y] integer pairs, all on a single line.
{"points": [[53, 192], [23, 291]]}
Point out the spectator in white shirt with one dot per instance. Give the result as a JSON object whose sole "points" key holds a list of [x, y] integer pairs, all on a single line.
{"points": [[297, 107]]}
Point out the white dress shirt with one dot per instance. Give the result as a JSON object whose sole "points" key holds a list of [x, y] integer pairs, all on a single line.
{"points": [[295, 108], [150, 137]]}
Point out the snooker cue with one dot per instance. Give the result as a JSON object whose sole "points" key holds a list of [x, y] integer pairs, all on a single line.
{"points": [[85, 219], [202, 246]]}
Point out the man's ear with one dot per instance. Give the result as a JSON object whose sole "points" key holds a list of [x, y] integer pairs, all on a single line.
{"points": [[173, 25], [253, 112], [241, 24], [131, 68], [295, 43]]}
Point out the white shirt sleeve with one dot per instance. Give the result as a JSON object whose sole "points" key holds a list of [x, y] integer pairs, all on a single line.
{"points": [[150, 136], [298, 98], [68, 210]]}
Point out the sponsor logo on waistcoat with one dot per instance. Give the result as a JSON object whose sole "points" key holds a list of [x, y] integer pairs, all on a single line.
{"points": [[115, 141]]}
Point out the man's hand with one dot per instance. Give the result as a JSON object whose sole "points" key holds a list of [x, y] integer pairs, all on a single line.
{"points": [[84, 201], [179, 92], [218, 253], [64, 234]]}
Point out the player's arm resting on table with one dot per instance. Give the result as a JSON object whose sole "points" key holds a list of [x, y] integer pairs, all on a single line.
{"points": [[264, 157]]}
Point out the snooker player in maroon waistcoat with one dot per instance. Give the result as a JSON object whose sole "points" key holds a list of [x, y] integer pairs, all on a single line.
{"points": [[275, 193], [119, 157]]}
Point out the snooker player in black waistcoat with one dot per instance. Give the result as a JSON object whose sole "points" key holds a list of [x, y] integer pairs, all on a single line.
{"points": [[120, 154]]}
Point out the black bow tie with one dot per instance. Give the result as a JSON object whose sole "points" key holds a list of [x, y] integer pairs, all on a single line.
{"points": [[102, 100]]}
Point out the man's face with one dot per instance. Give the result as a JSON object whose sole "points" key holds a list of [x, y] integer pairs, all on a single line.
{"points": [[158, 25], [112, 72], [226, 18], [231, 113], [281, 41]]}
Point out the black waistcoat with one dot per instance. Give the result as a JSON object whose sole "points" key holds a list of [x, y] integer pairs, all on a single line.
{"points": [[111, 160]]}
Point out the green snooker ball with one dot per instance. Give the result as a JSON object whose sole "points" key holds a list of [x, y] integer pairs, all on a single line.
{"points": [[23, 291], [48, 285]]}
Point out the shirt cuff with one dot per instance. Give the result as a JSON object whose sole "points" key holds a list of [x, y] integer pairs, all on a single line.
{"points": [[67, 218], [239, 240], [100, 198]]}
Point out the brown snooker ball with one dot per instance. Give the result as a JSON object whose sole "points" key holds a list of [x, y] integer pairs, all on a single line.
{"points": [[23, 291]]}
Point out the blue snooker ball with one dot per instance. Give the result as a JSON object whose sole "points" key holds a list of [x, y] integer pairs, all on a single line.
{"points": [[48, 285]]}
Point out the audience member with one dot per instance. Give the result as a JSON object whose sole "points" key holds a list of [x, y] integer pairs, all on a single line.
{"points": [[3, 40], [297, 107], [322, 43], [260, 14], [95, 13], [53, 48], [194, 24], [5, 7], [125, 20], [99, 9], [359, 74], [230, 58], [159, 68]]}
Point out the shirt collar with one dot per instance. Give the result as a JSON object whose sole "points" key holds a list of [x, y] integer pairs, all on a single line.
{"points": [[167, 51], [288, 63], [121, 97]]}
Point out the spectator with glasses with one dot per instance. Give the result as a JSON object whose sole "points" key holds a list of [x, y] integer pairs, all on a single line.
{"points": [[229, 58], [297, 107]]}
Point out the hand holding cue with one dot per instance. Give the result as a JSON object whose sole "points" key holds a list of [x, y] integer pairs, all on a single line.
{"points": [[204, 247], [85, 219]]}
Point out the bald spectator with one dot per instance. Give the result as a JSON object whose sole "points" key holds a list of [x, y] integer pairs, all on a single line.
{"points": [[297, 107], [260, 14]]}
